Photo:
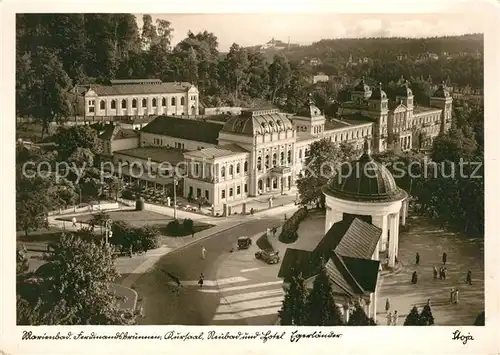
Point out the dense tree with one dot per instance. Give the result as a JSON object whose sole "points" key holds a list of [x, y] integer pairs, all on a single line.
{"points": [[293, 310], [413, 318], [32, 203], [148, 237], [426, 317], [480, 319], [279, 76], [297, 90], [358, 317], [76, 138], [321, 307], [22, 264], [323, 157], [76, 287]]}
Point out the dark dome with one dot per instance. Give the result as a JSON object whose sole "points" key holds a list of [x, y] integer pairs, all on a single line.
{"points": [[362, 86], [441, 92], [378, 93], [404, 89], [364, 180]]}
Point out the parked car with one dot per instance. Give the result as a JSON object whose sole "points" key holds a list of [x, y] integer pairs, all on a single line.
{"points": [[269, 256], [244, 243]]}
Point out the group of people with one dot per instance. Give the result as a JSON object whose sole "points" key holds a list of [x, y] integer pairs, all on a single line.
{"points": [[392, 318]]}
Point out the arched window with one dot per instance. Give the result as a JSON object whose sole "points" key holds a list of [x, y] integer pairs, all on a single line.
{"points": [[245, 167], [144, 103], [267, 162], [102, 105], [182, 101], [259, 163], [134, 103], [289, 156], [238, 168], [154, 102], [172, 101], [230, 170], [113, 104], [124, 103], [223, 172], [164, 102], [282, 158], [275, 156]]}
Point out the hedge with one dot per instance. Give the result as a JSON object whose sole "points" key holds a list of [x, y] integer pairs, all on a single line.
{"points": [[289, 230]]}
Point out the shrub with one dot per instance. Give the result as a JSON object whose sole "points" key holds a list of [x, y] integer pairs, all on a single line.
{"points": [[128, 195], [173, 227], [289, 229], [148, 238], [188, 225]]}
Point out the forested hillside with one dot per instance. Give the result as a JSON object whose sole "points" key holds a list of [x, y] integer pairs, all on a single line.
{"points": [[57, 51]]}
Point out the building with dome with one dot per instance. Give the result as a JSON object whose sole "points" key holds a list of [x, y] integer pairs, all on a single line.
{"points": [[363, 210], [263, 150]]}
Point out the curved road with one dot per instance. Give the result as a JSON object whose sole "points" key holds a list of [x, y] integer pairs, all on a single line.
{"points": [[167, 304]]}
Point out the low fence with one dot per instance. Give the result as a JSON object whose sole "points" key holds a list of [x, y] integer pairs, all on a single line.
{"points": [[89, 208]]}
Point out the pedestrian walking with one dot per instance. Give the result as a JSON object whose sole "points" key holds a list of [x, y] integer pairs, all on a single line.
{"points": [[429, 302], [414, 277], [74, 221], [389, 318], [417, 258], [456, 297], [200, 281], [435, 272], [203, 253], [445, 257], [469, 277], [444, 273], [395, 318], [452, 295], [387, 305]]}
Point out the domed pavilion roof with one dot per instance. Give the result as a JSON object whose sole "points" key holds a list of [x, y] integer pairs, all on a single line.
{"points": [[378, 93], [364, 180], [253, 122], [404, 89], [441, 92]]}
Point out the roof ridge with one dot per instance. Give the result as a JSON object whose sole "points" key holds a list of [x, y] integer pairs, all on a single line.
{"points": [[348, 272]]}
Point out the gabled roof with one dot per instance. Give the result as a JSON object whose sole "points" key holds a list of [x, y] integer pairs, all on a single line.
{"points": [[348, 247], [112, 132], [198, 131], [296, 259]]}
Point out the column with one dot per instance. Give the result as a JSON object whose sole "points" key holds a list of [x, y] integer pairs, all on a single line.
{"points": [[404, 211], [328, 219], [374, 302], [381, 222], [345, 307], [392, 239], [396, 240]]}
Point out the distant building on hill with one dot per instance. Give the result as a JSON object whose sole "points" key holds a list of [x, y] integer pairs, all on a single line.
{"points": [[320, 77]]}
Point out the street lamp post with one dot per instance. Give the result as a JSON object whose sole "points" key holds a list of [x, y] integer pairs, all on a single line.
{"points": [[175, 197], [109, 233]]}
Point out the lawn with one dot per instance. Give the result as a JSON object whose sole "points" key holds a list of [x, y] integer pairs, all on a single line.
{"points": [[139, 219]]}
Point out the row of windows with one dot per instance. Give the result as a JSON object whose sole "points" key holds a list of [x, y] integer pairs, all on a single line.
{"points": [[173, 102], [231, 191], [231, 171], [274, 162], [198, 193]]}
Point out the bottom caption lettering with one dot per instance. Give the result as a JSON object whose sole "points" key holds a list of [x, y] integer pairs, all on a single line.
{"points": [[264, 336]]}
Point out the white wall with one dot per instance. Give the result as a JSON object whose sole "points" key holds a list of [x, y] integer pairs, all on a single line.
{"points": [[148, 139]]}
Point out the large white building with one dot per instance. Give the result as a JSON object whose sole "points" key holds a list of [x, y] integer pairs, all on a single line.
{"points": [[263, 150], [138, 98]]}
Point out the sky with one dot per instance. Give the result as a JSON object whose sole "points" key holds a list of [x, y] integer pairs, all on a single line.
{"points": [[254, 29]]}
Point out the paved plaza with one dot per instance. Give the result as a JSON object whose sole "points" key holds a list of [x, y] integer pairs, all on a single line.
{"points": [[431, 242]]}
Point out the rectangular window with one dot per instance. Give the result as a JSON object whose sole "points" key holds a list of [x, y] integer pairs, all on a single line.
{"points": [[238, 190], [91, 109], [246, 188], [206, 195], [223, 194], [198, 193], [231, 192]]}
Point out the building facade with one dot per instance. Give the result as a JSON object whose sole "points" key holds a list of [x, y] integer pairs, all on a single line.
{"points": [[139, 98], [263, 150]]}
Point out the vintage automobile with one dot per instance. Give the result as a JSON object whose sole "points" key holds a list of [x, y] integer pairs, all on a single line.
{"points": [[244, 243], [269, 256]]}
